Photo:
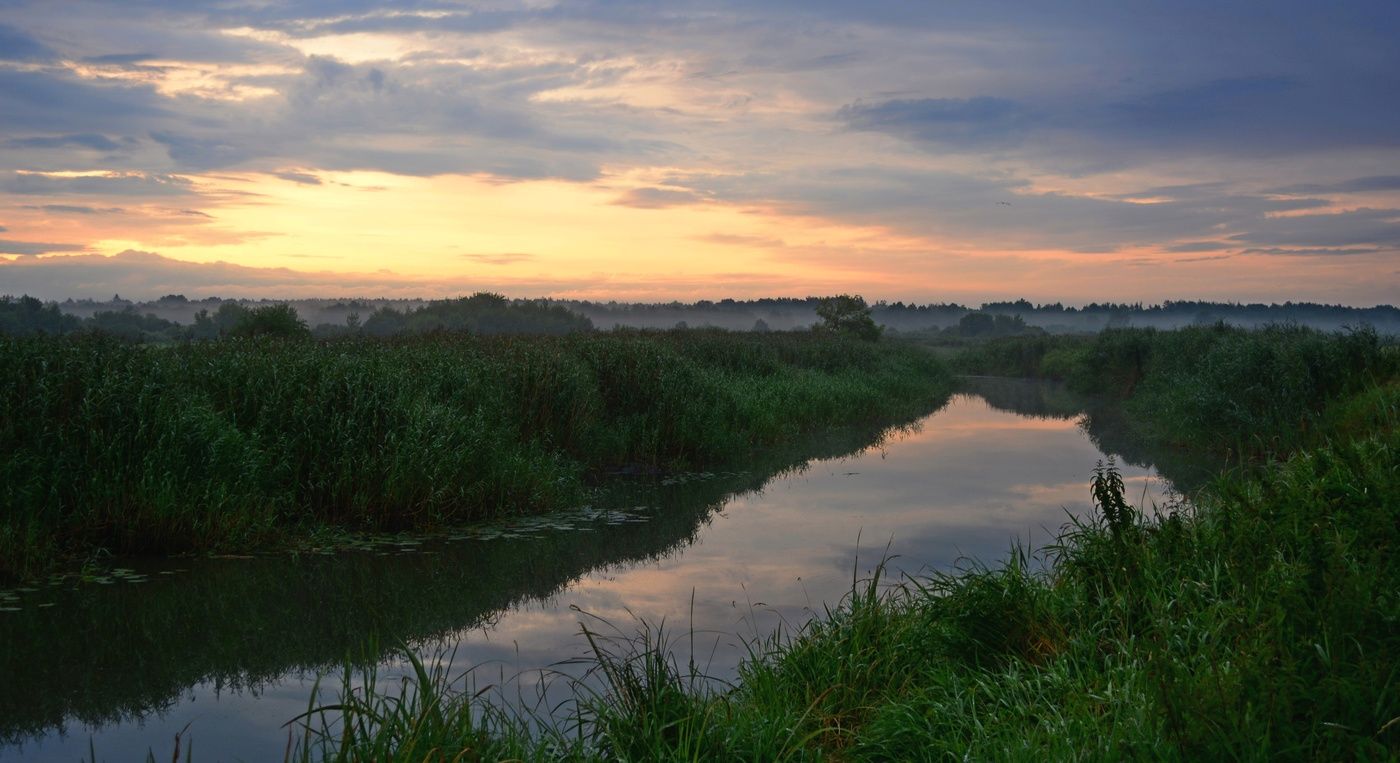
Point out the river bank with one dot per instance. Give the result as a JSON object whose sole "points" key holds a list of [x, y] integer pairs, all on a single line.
{"points": [[1258, 622]]}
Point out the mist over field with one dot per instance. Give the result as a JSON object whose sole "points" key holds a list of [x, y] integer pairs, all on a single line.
{"points": [[330, 315]]}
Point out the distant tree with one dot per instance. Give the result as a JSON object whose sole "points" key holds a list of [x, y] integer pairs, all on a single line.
{"points": [[385, 321], [271, 320], [28, 315], [128, 323], [229, 315], [977, 324], [847, 314], [760, 326], [204, 327]]}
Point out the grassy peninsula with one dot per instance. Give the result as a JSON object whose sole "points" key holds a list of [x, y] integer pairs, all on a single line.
{"points": [[1260, 622], [250, 441]]}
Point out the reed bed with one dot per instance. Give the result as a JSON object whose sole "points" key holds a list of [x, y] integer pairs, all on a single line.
{"points": [[107, 446]]}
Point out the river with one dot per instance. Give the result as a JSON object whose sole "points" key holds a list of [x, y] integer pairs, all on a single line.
{"points": [[229, 649]]}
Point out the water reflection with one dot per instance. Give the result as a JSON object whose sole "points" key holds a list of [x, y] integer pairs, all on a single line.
{"points": [[233, 645]]}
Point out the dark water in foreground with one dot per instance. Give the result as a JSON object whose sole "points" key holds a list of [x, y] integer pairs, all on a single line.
{"points": [[232, 647]]}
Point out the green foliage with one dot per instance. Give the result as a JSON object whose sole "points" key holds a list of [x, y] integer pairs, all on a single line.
{"points": [[1106, 487], [847, 314], [133, 326], [270, 321], [27, 316], [979, 324], [104, 444], [426, 720], [1253, 391], [481, 313]]}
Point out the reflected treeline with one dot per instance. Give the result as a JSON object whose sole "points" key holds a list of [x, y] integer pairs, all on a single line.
{"points": [[1104, 422], [107, 653], [1026, 397]]}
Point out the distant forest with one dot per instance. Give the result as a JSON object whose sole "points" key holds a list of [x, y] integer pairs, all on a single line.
{"points": [[174, 317]]}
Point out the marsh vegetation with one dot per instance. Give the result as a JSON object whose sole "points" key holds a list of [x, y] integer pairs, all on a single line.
{"points": [[235, 444], [1257, 622]]}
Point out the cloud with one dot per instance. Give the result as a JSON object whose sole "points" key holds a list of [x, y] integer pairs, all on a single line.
{"points": [[657, 198], [733, 239], [74, 209], [1003, 116], [94, 141], [203, 153], [120, 59], [1322, 232], [52, 102], [9, 246], [1323, 252], [304, 178], [1189, 247], [147, 275], [1003, 212], [975, 122], [1367, 184], [142, 273], [100, 184], [503, 258], [1206, 258], [16, 45]]}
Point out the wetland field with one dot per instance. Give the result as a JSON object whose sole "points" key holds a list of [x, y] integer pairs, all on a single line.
{"points": [[640, 545]]}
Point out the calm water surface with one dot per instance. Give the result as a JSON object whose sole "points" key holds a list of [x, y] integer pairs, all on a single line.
{"points": [[232, 647]]}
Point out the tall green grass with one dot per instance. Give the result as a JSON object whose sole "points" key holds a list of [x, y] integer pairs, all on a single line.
{"points": [[132, 449]]}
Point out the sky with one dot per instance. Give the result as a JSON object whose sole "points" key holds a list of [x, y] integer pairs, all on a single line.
{"points": [[1071, 151]]}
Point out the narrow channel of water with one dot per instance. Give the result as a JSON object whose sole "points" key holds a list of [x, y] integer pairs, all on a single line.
{"points": [[231, 647]]}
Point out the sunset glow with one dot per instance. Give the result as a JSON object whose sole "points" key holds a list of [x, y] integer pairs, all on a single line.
{"points": [[432, 149]]}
